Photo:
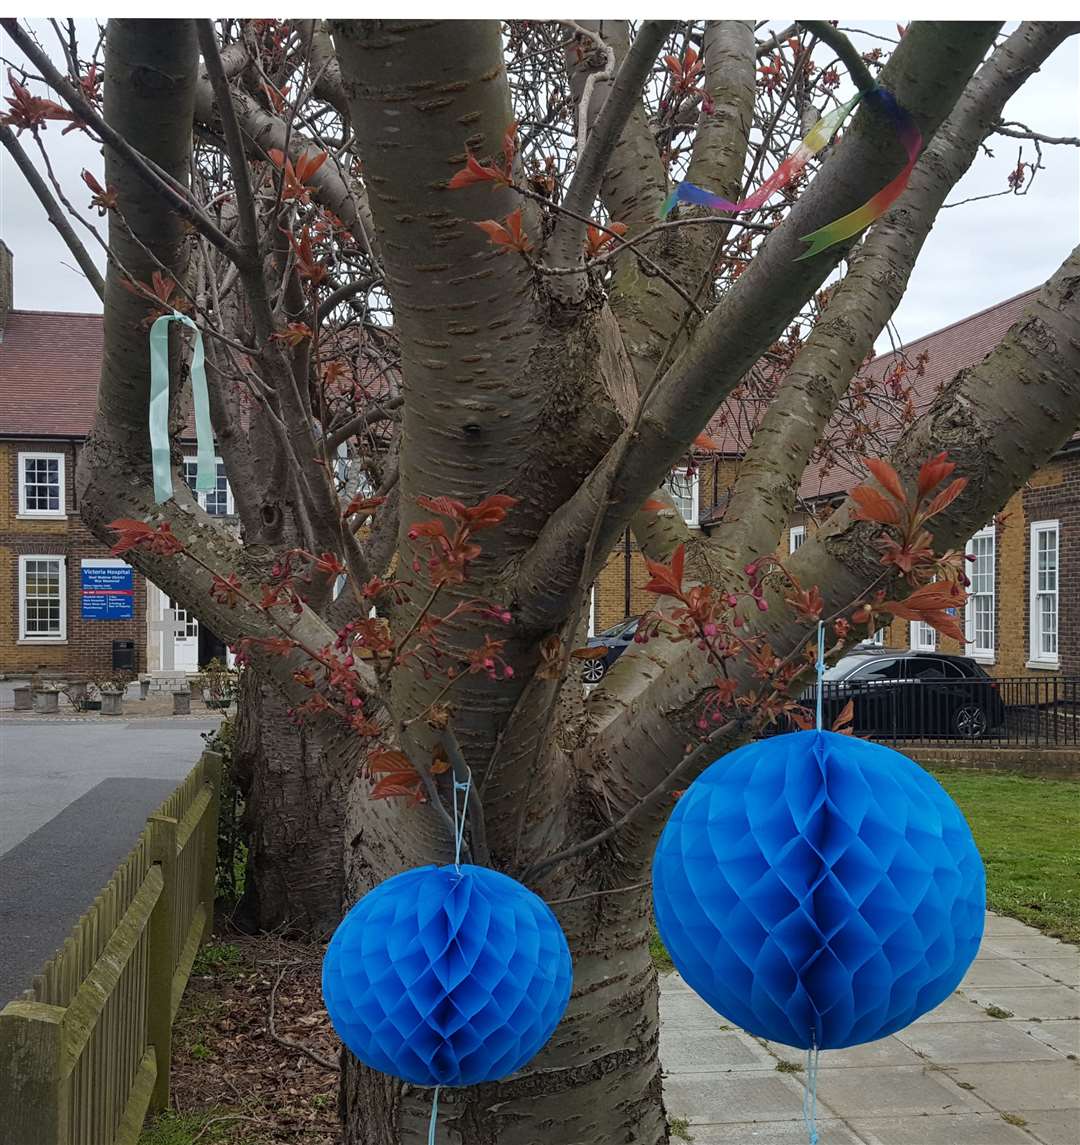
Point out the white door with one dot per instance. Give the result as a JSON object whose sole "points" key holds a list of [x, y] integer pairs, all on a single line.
{"points": [[185, 645]]}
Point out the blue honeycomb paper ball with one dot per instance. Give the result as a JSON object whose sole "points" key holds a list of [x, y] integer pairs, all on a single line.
{"points": [[447, 976], [818, 889]]}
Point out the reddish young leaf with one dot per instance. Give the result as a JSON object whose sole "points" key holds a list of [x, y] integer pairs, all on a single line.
{"points": [[652, 506], [887, 478], [589, 653], [845, 718], [947, 496], [596, 237], [874, 507], [475, 172], [704, 441], [933, 472], [388, 761]]}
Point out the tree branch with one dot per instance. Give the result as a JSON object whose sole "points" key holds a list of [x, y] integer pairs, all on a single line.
{"points": [[567, 240], [53, 210], [927, 73], [147, 171], [849, 55]]}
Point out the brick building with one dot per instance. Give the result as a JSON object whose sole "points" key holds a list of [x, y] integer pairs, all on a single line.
{"points": [[1023, 618], [67, 606]]}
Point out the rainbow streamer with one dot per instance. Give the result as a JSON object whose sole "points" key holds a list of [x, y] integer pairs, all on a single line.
{"points": [[853, 222], [816, 139]]}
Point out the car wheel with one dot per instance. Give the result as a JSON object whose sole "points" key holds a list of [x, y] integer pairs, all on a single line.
{"points": [[970, 722], [593, 672]]}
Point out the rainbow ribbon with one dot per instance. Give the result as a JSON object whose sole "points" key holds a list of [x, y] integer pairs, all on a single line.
{"points": [[817, 138], [853, 222]]}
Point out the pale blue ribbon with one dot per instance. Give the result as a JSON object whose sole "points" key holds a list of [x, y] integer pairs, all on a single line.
{"points": [[820, 666], [434, 1115], [810, 1095], [206, 460], [459, 821]]}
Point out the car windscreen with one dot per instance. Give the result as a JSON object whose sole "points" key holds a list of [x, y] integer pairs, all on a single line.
{"points": [[844, 667]]}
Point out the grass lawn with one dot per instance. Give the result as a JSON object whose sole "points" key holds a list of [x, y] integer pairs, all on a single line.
{"points": [[1028, 832]]}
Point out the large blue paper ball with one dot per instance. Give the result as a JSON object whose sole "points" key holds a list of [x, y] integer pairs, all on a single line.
{"points": [[443, 976], [819, 889]]}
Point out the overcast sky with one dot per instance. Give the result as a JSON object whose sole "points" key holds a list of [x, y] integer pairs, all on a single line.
{"points": [[977, 254]]}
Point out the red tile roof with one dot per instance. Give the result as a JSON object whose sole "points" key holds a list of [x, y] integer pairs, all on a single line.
{"points": [[50, 364]]}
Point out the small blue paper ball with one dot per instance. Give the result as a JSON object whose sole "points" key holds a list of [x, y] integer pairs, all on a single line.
{"points": [[446, 976], [819, 889]]}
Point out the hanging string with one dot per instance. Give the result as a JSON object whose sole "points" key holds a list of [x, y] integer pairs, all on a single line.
{"points": [[434, 1115], [459, 820], [820, 666], [809, 1110]]}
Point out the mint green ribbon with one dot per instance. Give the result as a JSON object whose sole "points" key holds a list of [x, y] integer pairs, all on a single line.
{"points": [[206, 459]]}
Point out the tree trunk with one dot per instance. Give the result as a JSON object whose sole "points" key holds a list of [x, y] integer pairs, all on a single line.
{"points": [[597, 1082], [295, 786]]}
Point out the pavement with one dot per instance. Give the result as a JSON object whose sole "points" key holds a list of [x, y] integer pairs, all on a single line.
{"points": [[957, 1076], [74, 794]]}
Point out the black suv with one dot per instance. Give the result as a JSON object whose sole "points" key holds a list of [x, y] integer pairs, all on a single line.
{"points": [[900, 694], [616, 640]]}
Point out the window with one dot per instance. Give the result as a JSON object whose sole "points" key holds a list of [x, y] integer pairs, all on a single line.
{"points": [[979, 613], [923, 637], [1044, 594], [879, 670], [796, 537], [41, 485], [879, 636], [219, 501], [42, 599], [683, 488]]}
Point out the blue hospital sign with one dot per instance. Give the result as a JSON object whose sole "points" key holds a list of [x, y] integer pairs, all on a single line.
{"points": [[108, 590]]}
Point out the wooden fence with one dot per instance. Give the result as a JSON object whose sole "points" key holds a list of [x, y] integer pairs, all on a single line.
{"points": [[84, 1054]]}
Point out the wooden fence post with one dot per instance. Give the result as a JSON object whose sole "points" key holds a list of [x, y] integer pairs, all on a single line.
{"points": [[212, 764], [34, 1081], [162, 956]]}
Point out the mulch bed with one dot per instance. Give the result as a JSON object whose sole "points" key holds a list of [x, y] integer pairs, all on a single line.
{"points": [[240, 1075]]}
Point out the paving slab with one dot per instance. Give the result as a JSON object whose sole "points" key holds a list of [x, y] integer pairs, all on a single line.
{"points": [[698, 1050], [900, 1091], [1000, 925], [1025, 947], [1061, 1127], [1064, 968], [685, 1010], [883, 1052], [955, 1008], [951, 1043], [1030, 1085], [1064, 1035], [1029, 1001], [830, 1132], [1002, 972], [958, 1129], [748, 1095]]}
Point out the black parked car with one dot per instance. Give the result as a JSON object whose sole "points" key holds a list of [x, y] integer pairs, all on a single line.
{"points": [[616, 640], [903, 694]]}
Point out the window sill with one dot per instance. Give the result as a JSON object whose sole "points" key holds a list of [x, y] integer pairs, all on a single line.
{"points": [[41, 516], [40, 640], [1045, 665], [980, 657]]}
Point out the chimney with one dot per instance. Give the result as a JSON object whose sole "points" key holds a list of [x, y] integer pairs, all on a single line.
{"points": [[7, 295]]}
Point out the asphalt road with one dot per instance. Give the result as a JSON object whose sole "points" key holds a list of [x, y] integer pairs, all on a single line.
{"points": [[73, 798]]}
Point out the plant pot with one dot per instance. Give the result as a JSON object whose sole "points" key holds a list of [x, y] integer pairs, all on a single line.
{"points": [[46, 702], [181, 703], [23, 700], [112, 703]]}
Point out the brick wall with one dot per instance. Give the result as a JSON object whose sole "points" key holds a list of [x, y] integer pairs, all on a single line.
{"points": [[88, 648]]}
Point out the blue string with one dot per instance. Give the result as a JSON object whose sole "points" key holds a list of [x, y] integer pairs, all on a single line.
{"points": [[820, 666], [434, 1115], [459, 821], [809, 1110]]}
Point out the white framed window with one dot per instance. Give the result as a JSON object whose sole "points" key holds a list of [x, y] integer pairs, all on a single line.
{"points": [[683, 488], [218, 502], [979, 611], [1044, 593], [796, 536], [923, 637], [42, 599], [879, 637], [41, 485]]}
